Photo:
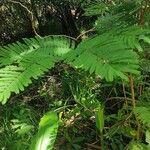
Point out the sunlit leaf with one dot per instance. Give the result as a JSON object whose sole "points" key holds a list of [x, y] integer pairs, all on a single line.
{"points": [[47, 133]]}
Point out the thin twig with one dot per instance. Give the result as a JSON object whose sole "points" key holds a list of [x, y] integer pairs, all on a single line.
{"points": [[66, 36], [93, 146], [125, 96], [90, 30], [132, 91], [118, 98], [30, 13], [134, 105], [16, 2]]}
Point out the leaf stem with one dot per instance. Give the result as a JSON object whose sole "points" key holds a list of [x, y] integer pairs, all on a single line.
{"points": [[102, 140], [132, 91], [134, 104]]}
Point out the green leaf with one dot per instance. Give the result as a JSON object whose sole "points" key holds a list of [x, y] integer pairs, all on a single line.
{"points": [[148, 137], [22, 62], [137, 146], [109, 56], [100, 118], [47, 133], [95, 9], [146, 39], [142, 113]]}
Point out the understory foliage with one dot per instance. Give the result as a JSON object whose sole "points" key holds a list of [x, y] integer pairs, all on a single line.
{"points": [[98, 79]]}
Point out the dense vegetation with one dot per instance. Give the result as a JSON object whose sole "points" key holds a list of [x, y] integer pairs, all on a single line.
{"points": [[74, 74]]}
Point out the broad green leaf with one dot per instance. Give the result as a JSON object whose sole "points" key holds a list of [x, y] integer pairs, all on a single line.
{"points": [[47, 133]]}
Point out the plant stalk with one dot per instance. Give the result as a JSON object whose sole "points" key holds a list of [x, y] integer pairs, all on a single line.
{"points": [[102, 140], [134, 104], [132, 91]]}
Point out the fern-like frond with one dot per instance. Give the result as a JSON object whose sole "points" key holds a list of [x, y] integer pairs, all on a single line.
{"points": [[105, 55], [96, 8], [16, 52], [132, 35], [142, 112], [29, 60], [14, 79], [109, 55]]}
